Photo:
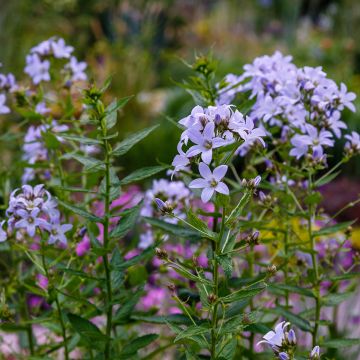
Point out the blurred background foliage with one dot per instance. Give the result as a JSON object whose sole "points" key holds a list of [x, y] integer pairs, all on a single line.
{"points": [[142, 44]]}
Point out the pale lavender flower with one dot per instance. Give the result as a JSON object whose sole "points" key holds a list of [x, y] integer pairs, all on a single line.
{"points": [[353, 141], [181, 161], [30, 221], [8, 82], [38, 70], [57, 232], [211, 181], [228, 93], [146, 239], [3, 234], [275, 338], [41, 108], [205, 142], [77, 69], [335, 124], [345, 98], [3, 108], [291, 337], [60, 49]]}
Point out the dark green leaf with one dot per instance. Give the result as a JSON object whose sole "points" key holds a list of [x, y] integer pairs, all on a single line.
{"points": [[126, 222], [132, 348], [80, 211], [81, 140], [191, 331], [123, 147], [340, 343], [244, 293], [142, 174], [334, 228], [296, 320], [111, 111]]}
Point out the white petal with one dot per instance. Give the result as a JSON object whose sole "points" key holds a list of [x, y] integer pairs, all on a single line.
{"points": [[206, 194], [222, 188], [198, 184], [220, 172]]}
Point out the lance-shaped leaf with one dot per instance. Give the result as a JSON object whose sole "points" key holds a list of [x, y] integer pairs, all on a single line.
{"points": [[237, 211], [89, 332], [81, 139], [126, 222], [123, 147], [191, 331], [200, 225], [243, 293], [132, 348], [142, 174], [79, 211], [127, 307], [334, 228], [111, 111], [341, 343], [90, 164], [296, 320]]}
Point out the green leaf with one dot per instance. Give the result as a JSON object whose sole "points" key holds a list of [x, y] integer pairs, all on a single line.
{"points": [[142, 174], [78, 273], [127, 222], [90, 164], [81, 140], [292, 289], [340, 343], [117, 275], [296, 320], [127, 307], [334, 228], [200, 225], [244, 293], [89, 332], [158, 319], [137, 344], [111, 111], [191, 331], [131, 140], [50, 139], [79, 211], [115, 188], [172, 229], [225, 262], [228, 351], [237, 211], [327, 179], [336, 299]]}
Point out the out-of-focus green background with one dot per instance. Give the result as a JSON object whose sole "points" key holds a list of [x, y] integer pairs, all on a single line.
{"points": [[141, 43]]}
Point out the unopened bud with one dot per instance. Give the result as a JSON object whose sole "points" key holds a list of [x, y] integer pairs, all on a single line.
{"points": [[161, 254], [246, 320], [212, 298], [291, 337], [164, 207], [271, 270], [172, 289], [283, 356], [253, 239], [315, 353]]}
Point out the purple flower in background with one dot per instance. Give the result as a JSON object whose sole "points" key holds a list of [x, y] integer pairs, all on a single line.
{"points": [[3, 108], [3, 234], [38, 70], [8, 82], [41, 108], [77, 69], [211, 181], [315, 353], [205, 142], [83, 246]]}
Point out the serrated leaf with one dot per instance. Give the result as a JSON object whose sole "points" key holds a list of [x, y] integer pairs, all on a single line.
{"points": [[127, 222], [324, 180], [142, 174], [292, 289], [79, 211], [127, 307], [81, 139], [89, 332], [132, 348], [200, 225], [237, 211], [158, 319], [243, 294], [225, 262], [131, 140], [117, 275], [90, 164], [340, 343], [172, 229], [336, 299], [334, 228], [192, 331], [111, 111]]}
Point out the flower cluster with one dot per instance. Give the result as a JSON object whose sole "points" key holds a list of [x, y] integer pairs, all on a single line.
{"points": [[302, 102], [31, 208], [38, 62], [206, 131], [34, 149]]}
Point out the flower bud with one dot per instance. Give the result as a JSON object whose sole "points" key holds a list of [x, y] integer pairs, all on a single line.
{"points": [[253, 239], [212, 298], [291, 337], [172, 289], [161, 254], [164, 207], [283, 356], [315, 353], [271, 270]]}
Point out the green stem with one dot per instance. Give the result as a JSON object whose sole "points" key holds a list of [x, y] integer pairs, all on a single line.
{"points": [[61, 320], [315, 267], [214, 317], [105, 244]]}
